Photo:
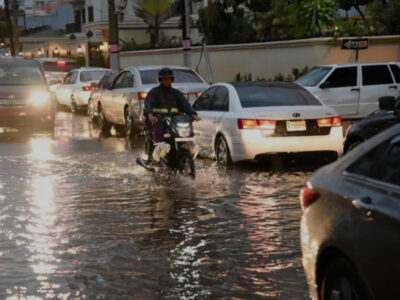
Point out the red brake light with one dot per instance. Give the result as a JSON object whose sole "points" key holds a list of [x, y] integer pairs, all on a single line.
{"points": [[307, 197], [142, 95], [88, 88], [61, 63], [337, 122], [247, 124], [326, 122]]}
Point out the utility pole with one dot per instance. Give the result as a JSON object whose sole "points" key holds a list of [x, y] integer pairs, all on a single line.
{"points": [[15, 24], [10, 27], [187, 60], [113, 38]]}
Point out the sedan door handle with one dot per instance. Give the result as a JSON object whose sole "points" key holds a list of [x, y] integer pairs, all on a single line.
{"points": [[393, 87], [355, 90], [365, 205]]}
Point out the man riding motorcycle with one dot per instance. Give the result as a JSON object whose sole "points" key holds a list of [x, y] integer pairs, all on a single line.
{"points": [[161, 101]]}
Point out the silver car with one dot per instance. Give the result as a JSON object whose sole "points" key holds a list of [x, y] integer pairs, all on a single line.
{"points": [[123, 104]]}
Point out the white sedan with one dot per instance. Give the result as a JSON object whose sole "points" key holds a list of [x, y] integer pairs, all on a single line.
{"points": [[242, 121], [77, 87]]}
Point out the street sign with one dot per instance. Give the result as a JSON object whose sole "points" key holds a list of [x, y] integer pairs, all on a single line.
{"points": [[355, 44]]}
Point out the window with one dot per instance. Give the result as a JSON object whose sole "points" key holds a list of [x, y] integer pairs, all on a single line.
{"points": [[91, 75], [90, 14], [375, 75], [83, 13], [220, 100], [181, 76], [67, 79], [77, 17], [314, 76], [73, 78], [203, 102], [263, 96], [342, 77], [396, 72], [124, 80], [20, 75]]}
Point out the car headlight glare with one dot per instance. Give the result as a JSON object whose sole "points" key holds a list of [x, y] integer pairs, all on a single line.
{"points": [[39, 98]]}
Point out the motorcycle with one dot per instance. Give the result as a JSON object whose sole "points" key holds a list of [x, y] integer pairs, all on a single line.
{"points": [[179, 136]]}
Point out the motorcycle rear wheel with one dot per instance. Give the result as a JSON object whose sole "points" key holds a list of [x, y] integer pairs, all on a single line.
{"points": [[188, 166]]}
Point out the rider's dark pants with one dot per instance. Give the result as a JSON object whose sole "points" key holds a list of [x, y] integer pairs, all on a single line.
{"points": [[149, 141]]}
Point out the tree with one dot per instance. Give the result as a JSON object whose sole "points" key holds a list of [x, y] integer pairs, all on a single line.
{"points": [[226, 21], [314, 16], [385, 17], [154, 13]]}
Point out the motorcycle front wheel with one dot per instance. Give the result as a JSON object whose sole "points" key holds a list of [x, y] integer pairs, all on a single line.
{"points": [[188, 166]]}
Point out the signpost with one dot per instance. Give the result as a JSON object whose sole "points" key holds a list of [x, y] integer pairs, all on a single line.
{"points": [[355, 44]]}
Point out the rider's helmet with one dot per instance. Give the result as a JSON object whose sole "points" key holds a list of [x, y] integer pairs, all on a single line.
{"points": [[165, 73]]}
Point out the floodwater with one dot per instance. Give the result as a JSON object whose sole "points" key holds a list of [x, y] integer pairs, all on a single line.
{"points": [[79, 220]]}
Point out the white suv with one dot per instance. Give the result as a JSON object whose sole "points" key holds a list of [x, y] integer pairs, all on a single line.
{"points": [[353, 90]]}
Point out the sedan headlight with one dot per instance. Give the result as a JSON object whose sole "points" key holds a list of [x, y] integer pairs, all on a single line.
{"points": [[39, 98]]}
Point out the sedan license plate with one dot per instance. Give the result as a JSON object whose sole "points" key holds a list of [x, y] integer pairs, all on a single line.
{"points": [[296, 125]]}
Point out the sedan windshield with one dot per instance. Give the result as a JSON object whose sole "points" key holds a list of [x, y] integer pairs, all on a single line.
{"points": [[181, 76], [262, 96], [314, 76], [92, 75], [20, 75]]}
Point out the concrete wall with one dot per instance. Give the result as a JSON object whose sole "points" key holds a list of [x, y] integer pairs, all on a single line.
{"points": [[268, 59]]}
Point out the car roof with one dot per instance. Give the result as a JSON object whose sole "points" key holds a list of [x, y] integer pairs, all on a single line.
{"points": [[157, 67], [280, 84], [359, 63]]}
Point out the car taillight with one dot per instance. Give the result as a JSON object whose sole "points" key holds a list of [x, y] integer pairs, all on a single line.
{"points": [[198, 94], [330, 122], [142, 95], [256, 124], [307, 197], [326, 122], [88, 88], [337, 122], [61, 63]]}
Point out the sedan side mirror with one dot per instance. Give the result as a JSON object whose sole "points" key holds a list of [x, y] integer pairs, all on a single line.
{"points": [[325, 85], [386, 103]]}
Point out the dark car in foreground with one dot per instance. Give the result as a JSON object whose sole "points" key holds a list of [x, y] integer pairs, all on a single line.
{"points": [[25, 99], [350, 229], [386, 116]]}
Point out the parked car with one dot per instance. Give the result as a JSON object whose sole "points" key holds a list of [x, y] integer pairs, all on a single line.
{"points": [[77, 87], [123, 104], [105, 83], [350, 226], [387, 115], [25, 99], [55, 69], [245, 120], [353, 90]]}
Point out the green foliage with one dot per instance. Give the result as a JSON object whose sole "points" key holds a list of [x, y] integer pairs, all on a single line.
{"points": [[385, 17], [225, 22], [294, 75], [345, 28], [163, 42], [314, 25], [154, 13], [276, 24]]}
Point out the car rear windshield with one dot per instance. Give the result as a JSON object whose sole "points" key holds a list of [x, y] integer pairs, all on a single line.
{"points": [[262, 96], [151, 76], [60, 66], [21, 75], [92, 75], [314, 76]]}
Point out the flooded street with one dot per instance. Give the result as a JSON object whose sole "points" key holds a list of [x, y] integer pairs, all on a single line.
{"points": [[79, 219]]}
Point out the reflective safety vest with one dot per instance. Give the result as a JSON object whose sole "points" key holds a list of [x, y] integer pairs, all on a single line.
{"points": [[166, 101]]}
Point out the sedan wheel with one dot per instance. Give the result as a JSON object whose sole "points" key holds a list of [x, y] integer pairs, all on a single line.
{"points": [[90, 110], [222, 152], [340, 282], [104, 125], [128, 123]]}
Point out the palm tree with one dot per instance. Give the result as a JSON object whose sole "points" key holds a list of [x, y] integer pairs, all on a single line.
{"points": [[154, 13]]}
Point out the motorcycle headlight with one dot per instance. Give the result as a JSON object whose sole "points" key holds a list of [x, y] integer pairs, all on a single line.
{"points": [[183, 130], [39, 98]]}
